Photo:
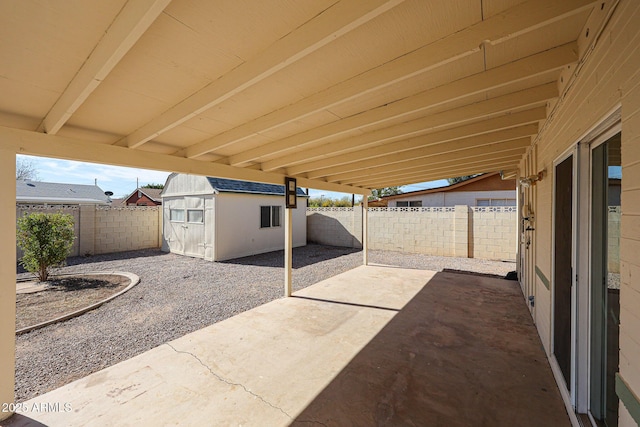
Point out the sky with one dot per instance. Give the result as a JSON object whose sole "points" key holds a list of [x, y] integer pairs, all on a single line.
{"points": [[122, 181]]}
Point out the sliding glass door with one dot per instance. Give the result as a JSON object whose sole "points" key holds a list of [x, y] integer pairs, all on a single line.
{"points": [[606, 178]]}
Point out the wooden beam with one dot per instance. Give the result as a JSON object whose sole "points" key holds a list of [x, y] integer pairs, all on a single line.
{"points": [[421, 102], [513, 138], [521, 18], [40, 144], [450, 173], [452, 147], [333, 156], [7, 279], [288, 250], [334, 22], [420, 164], [130, 24], [528, 98], [368, 144], [511, 156], [434, 164]]}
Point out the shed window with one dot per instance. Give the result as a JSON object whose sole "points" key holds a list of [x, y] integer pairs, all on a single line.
{"points": [[270, 216], [410, 204], [195, 215], [176, 215]]}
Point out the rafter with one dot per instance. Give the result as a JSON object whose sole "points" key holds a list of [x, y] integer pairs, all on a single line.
{"points": [[438, 163], [421, 102], [409, 130], [500, 149], [449, 173], [369, 144], [510, 23], [521, 135], [429, 164], [528, 97], [326, 27], [130, 24]]}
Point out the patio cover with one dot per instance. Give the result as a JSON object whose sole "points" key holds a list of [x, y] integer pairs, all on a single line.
{"points": [[343, 95]]}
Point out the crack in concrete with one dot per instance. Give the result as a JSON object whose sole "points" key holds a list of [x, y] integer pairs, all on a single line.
{"points": [[224, 380], [311, 422]]}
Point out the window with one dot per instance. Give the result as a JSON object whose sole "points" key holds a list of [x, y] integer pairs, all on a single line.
{"points": [[176, 215], [410, 204], [195, 215], [270, 216], [495, 202]]}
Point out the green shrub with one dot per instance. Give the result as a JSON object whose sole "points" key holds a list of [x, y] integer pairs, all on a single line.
{"points": [[46, 240]]}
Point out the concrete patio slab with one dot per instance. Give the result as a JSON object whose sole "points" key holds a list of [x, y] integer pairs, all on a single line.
{"points": [[372, 346]]}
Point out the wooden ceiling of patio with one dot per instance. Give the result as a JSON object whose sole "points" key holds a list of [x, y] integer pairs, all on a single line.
{"points": [[344, 95]]}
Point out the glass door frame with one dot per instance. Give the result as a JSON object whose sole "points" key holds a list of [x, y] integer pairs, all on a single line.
{"points": [[609, 129]]}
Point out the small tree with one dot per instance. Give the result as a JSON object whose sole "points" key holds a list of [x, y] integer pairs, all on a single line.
{"points": [[26, 169], [386, 191], [154, 186], [458, 179], [46, 240]]}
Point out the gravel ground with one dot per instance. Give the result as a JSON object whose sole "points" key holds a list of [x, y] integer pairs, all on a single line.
{"points": [[178, 295]]}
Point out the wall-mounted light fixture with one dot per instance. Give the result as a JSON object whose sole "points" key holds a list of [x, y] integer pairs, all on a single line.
{"points": [[532, 179]]}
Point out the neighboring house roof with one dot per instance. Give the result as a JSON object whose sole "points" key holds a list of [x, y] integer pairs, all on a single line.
{"points": [[485, 182], [151, 193], [28, 191]]}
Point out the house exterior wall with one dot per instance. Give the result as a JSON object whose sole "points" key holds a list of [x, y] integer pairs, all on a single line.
{"points": [[609, 78], [454, 198], [476, 232], [140, 201], [238, 231]]}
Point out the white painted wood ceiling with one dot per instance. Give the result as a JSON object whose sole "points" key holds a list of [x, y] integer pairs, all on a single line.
{"points": [[365, 93]]}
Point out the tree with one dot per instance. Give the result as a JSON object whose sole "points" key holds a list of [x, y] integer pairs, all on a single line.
{"points": [[460, 179], [46, 240], [156, 186], [25, 169], [386, 191]]}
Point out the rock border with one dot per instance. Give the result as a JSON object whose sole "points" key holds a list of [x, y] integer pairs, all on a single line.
{"points": [[135, 279]]}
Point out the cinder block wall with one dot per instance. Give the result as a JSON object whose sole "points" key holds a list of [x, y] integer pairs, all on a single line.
{"points": [[126, 229], [414, 230], [106, 229], [493, 232], [476, 232], [335, 226]]}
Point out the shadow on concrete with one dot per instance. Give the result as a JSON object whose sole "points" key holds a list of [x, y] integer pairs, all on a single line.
{"points": [[302, 256], [19, 420], [462, 352]]}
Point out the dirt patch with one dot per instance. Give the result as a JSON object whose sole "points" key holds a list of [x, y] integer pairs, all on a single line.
{"points": [[65, 295]]}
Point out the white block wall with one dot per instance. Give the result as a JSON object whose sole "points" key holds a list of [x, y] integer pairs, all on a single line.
{"points": [[478, 232]]}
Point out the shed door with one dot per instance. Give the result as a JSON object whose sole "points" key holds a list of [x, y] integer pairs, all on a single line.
{"points": [[194, 235]]}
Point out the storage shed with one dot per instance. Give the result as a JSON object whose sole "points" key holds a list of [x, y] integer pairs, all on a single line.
{"points": [[219, 219]]}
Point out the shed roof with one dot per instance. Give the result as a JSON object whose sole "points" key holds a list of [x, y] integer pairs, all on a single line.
{"points": [[234, 186], [28, 191]]}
